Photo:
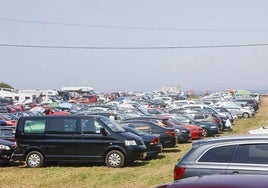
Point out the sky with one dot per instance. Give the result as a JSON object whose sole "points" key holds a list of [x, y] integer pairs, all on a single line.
{"points": [[134, 45]]}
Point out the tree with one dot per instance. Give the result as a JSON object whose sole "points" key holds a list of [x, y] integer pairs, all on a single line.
{"points": [[4, 85]]}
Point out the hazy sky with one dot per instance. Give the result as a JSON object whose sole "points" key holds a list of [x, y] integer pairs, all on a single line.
{"points": [[125, 24]]}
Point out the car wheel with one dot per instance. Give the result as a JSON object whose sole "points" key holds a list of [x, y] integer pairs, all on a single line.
{"points": [[205, 132], [181, 139], [34, 159], [115, 159], [245, 115]]}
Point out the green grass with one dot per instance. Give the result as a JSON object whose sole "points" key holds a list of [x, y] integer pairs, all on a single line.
{"points": [[141, 174]]}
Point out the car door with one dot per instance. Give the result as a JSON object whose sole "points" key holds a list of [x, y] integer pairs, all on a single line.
{"points": [[59, 138], [249, 159], [92, 143]]}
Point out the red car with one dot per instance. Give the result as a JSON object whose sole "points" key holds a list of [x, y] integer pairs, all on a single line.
{"points": [[196, 131], [9, 121], [220, 181], [54, 111]]}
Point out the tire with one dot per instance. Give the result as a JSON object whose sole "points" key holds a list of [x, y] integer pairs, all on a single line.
{"points": [[181, 139], [115, 159], [34, 159], [205, 132], [245, 115]]}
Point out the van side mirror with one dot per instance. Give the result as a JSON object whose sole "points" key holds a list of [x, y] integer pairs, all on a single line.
{"points": [[103, 131]]}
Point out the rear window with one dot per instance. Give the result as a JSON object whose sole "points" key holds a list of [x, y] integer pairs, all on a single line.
{"points": [[252, 153], [218, 155]]}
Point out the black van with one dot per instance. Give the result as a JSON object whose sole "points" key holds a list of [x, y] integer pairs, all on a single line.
{"points": [[42, 139]]}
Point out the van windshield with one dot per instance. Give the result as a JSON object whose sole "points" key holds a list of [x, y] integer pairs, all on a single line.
{"points": [[112, 125]]}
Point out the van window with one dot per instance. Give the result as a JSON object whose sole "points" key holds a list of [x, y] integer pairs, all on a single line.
{"points": [[34, 126], [112, 125], [90, 126], [62, 126]]}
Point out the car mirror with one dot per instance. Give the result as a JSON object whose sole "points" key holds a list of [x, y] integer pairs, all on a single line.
{"points": [[103, 131]]}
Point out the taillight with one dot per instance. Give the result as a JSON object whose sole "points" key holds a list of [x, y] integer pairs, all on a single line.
{"points": [[217, 120], [178, 172], [170, 133], [154, 141]]}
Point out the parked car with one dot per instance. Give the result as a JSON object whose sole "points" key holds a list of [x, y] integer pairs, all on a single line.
{"points": [[8, 119], [196, 131], [168, 136], [246, 154], [182, 132], [42, 139], [236, 110], [208, 128], [55, 111], [206, 114], [6, 151], [261, 130], [7, 133], [226, 112], [3, 123], [220, 181], [249, 101], [152, 142]]}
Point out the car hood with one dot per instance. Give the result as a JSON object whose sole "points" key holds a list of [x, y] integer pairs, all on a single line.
{"points": [[130, 136], [6, 142]]}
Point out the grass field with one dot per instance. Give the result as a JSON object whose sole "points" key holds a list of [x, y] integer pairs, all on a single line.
{"points": [[141, 174]]}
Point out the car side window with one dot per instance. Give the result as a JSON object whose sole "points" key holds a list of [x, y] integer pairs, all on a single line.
{"points": [[141, 127], [252, 153], [220, 154], [91, 126], [34, 126], [61, 126]]}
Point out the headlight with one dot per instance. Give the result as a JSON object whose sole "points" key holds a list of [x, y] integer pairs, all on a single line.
{"points": [[130, 143], [213, 127], [4, 147], [177, 130]]}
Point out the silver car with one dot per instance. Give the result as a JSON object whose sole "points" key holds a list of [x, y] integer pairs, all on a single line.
{"points": [[225, 155], [237, 110]]}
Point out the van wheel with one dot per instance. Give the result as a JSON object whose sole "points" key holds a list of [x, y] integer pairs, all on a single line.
{"points": [[34, 159], [115, 159]]}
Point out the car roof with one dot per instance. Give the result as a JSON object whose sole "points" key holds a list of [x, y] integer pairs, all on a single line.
{"points": [[57, 116], [238, 138]]}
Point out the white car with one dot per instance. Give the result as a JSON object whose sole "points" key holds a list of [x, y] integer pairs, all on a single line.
{"points": [[262, 130], [236, 110]]}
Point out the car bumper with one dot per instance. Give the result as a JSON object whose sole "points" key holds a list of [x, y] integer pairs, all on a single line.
{"points": [[5, 156], [136, 153], [152, 151], [197, 135]]}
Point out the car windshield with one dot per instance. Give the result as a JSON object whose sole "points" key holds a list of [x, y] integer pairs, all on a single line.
{"points": [[112, 125]]}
